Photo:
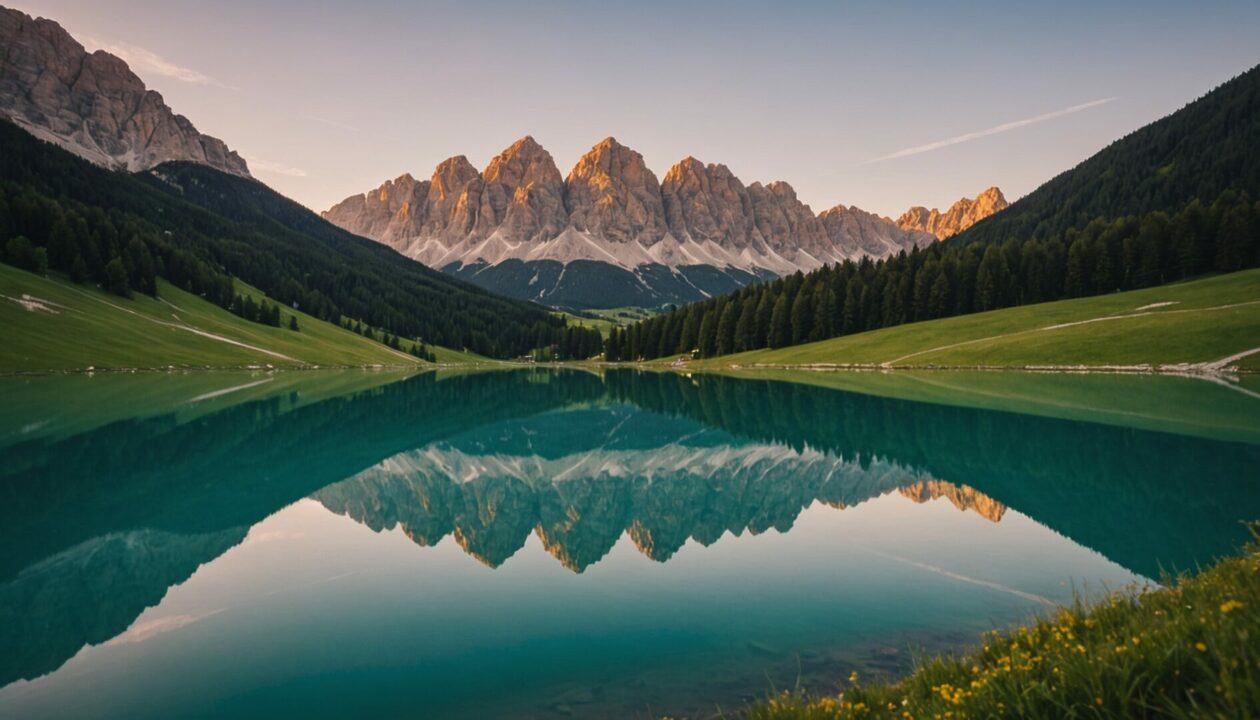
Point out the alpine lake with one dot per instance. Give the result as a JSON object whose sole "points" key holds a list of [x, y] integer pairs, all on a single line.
{"points": [[556, 543]]}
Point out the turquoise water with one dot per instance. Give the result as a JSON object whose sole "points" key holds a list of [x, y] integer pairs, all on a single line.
{"points": [[562, 544]]}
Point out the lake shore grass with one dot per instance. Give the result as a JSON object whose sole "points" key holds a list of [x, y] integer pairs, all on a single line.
{"points": [[1186, 323], [1187, 650]]}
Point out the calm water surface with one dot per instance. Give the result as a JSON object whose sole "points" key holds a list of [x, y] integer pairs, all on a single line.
{"points": [[541, 544]]}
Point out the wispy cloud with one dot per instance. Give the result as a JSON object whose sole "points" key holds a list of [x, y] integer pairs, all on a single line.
{"points": [[266, 166], [967, 137], [333, 123], [144, 61]]}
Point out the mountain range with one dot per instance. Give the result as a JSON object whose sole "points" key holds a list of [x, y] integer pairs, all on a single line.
{"points": [[610, 234], [116, 190]]}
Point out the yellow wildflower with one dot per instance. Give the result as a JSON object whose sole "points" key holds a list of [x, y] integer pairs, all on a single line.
{"points": [[1230, 605], [1200, 647]]}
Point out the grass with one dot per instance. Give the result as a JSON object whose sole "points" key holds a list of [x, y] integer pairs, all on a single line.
{"points": [[607, 319], [1194, 327], [79, 326], [1187, 651]]}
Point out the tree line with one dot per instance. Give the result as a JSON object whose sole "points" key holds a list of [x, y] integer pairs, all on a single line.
{"points": [[956, 278], [199, 229]]}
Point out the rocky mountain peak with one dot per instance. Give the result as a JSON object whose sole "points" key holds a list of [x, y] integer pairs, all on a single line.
{"points": [[708, 203], [854, 231], [611, 192], [389, 213], [523, 194], [960, 216], [787, 224], [93, 104]]}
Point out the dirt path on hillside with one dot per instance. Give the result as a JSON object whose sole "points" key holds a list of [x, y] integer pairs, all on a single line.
{"points": [[180, 325]]}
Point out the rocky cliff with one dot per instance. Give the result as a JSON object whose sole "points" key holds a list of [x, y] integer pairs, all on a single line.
{"points": [[960, 216], [853, 232], [518, 229], [92, 104]]}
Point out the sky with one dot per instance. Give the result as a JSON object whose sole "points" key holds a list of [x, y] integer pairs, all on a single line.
{"points": [[881, 105]]}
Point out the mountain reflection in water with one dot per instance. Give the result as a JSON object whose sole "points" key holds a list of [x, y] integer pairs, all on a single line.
{"points": [[98, 525]]}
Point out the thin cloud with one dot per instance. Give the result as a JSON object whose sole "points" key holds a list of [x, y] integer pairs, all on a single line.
{"points": [[142, 60], [266, 166], [333, 123], [967, 137]]}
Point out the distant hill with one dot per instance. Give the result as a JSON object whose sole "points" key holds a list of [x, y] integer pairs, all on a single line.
{"points": [[1209, 146]]}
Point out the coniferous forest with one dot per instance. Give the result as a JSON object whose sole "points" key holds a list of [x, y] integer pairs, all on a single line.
{"points": [[199, 228], [1173, 200]]}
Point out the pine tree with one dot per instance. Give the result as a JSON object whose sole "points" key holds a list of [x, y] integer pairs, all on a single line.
{"points": [[116, 278], [725, 344], [780, 331], [708, 335], [801, 316], [761, 323], [745, 326], [78, 270]]}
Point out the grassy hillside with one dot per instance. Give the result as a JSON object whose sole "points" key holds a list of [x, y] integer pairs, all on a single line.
{"points": [[1178, 652], [1193, 322], [198, 228], [53, 324]]}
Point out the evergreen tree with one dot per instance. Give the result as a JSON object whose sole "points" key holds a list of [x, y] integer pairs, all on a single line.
{"points": [[708, 334], [801, 317], [116, 278], [20, 253], [780, 323], [744, 339], [725, 344], [78, 270]]}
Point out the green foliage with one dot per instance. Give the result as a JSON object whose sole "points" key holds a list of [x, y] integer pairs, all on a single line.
{"points": [[85, 326], [950, 279], [1200, 151], [1194, 321], [1185, 651], [200, 228], [116, 278], [1173, 200]]}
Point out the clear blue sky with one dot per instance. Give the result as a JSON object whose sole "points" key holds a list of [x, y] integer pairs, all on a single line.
{"points": [[327, 99]]}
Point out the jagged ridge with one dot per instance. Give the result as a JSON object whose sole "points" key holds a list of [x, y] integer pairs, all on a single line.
{"points": [[698, 232]]}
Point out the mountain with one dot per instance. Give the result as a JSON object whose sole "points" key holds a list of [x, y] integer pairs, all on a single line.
{"points": [[960, 216], [1171, 201], [610, 234], [92, 104], [199, 228], [660, 497], [1198, 152]]}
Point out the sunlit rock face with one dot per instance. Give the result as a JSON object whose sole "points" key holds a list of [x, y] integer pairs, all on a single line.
{"points": [[960, 216], [853, 231], [92, 104], [610, 234], [611, 194]]}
